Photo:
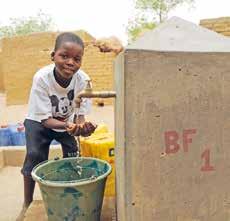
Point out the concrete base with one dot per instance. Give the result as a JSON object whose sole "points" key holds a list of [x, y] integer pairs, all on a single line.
{"points": [[36, 211]]}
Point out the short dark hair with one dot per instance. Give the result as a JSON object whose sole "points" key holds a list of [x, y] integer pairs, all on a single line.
{"points": [[67, 37]]}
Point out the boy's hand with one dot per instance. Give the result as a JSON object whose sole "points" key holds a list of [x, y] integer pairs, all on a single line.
{"points": [[85, 129], [73, 129]]}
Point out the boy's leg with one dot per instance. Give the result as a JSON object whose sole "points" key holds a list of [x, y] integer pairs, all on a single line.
{"points": [[38, 139], [70, 146], [29, 185]]}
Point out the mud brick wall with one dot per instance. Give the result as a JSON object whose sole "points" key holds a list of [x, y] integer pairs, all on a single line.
{"points": [[99, 66], [1, 73], [219, 25], [1, 76], [22, 56]]}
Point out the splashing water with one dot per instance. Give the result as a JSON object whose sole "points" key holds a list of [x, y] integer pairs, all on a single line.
{"points": [[93, 177], [72, 172], [77, 113], [79, 170]]}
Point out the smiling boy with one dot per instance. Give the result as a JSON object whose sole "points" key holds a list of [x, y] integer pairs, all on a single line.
{"points": [[51, 108]]}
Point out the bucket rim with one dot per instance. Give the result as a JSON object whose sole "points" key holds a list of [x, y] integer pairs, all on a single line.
{"points": [[69, 183]]}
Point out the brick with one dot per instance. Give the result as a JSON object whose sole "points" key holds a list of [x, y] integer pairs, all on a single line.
{"points": [[219, 25]]}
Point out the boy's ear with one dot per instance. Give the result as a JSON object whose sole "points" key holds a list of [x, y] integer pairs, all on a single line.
{"points": [[52, 55]]}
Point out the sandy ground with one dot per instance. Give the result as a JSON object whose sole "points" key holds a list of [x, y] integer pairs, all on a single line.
{"points": [[11, 193], [11, 185]]}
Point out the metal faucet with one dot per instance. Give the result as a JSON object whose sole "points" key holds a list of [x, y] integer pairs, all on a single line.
{"points": [[89, 93]]}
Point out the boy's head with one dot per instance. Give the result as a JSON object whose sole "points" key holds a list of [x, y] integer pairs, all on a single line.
{"points": [[67, 54]]}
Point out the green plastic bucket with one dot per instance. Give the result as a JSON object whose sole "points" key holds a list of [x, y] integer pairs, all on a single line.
{"points": [[72, 188]]}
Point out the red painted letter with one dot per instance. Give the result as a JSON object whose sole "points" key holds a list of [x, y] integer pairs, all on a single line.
{"points": [[171, 138], [187, 139], [206, 156]]}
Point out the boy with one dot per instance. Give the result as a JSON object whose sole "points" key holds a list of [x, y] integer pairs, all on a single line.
{"points": [[51, 108]]}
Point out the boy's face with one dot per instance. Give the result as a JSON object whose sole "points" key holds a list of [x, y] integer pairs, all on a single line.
{"points": [[67, 59]]}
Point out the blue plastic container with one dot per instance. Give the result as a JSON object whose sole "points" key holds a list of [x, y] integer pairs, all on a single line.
{"points": [[5, 137], [17, 133], [14, 135]]}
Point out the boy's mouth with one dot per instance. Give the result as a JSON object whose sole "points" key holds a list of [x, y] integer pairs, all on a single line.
{"points": [[69, 70]]}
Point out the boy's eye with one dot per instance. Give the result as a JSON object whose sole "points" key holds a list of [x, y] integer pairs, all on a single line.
{"points": [[78, 60], [64, 56]]}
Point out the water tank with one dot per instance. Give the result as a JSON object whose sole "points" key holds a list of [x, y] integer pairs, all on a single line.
{"points": [[172, 125]]}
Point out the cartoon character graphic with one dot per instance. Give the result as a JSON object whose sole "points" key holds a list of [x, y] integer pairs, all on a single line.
{"points": [[62, 108]]}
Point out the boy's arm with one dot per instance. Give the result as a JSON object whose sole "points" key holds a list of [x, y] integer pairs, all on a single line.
{"points": [[55, 124]]}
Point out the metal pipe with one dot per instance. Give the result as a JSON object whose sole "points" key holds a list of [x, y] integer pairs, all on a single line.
{"points": [[89, 93]]}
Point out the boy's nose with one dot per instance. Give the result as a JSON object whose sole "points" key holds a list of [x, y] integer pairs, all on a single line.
{"points": [[70, 61]]}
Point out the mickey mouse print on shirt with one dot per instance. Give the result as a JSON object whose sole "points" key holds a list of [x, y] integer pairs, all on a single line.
{"points": [[62, 107]]}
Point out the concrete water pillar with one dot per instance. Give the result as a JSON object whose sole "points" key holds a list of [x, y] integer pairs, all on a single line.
{"points": [[173, 125]]}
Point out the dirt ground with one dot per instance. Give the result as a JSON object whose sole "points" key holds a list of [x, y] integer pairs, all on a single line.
{"points": [[11, 185], [11, 193]]}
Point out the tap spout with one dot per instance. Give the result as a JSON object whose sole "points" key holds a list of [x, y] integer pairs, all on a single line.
{"points": [[89, 93]]}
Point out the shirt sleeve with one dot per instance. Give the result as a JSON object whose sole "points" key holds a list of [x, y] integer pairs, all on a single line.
{"points": [[40, 103]]}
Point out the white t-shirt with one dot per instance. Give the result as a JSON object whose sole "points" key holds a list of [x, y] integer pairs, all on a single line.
{"points": [[49, 99]]}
